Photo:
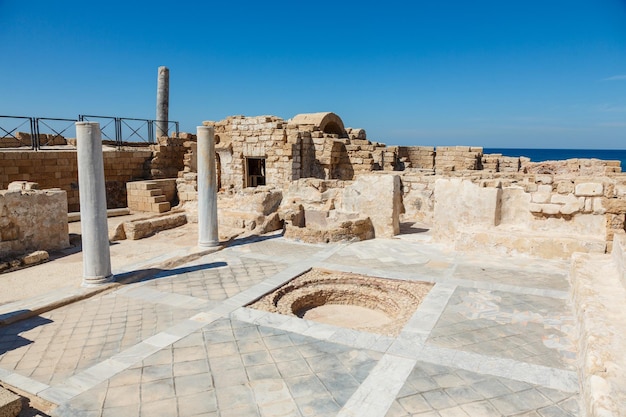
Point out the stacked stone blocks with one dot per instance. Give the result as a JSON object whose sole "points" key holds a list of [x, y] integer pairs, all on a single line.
{"points": [[148, 196], [32, 219]]}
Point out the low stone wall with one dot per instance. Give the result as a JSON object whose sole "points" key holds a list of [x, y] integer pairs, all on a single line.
{"points": [[541, 214], [457, 158], [421, 157], [503, 218], [59, 169], [32, 220], [598, 296], [168, 157]]}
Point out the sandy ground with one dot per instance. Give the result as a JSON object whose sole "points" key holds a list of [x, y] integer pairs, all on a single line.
{"points": [[64, 269]]}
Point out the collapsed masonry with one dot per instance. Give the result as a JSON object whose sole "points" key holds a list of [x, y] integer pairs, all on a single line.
{"points": [[323, 182]]}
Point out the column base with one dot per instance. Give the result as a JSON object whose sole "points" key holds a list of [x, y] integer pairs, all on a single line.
{"points": [[97, 281], [208, 244]]}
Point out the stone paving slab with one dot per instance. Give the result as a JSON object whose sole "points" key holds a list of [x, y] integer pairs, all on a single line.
{"points": [[435, 390], [527, 328], [182, 342], [224, 279], [235, 368], [57, 344], [525, 277]]}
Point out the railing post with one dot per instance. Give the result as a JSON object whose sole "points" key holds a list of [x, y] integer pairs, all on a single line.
{"points": [[118, 132], [35, 137], [33, 130], [93, 205], [151, 138]]}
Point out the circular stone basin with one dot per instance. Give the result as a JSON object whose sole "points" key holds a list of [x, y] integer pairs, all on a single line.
{"points": [[359, 302], [355, 317]]}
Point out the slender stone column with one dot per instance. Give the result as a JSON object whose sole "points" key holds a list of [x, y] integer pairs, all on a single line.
{"points": [[163, 102], [207, 188], [93, 205]]}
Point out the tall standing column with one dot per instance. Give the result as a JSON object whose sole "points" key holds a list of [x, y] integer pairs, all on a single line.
{"points": [[163, 102], [93, 205], [207, 188]]}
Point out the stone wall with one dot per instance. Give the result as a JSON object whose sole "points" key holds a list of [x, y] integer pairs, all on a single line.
{"points": [[378, 197], [420, 157], [585, 167], [457, 158], [32, 220], [168, 157], [58, 169], [598, 294], [540, 216]]}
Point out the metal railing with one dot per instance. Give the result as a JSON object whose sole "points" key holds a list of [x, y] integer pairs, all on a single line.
{"points": [[128, 129], [52, 131], [40, 132], [10, 134]]}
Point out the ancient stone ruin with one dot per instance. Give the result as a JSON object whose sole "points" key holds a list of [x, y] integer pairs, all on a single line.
{"points": [[324, 182], [319, 181]]}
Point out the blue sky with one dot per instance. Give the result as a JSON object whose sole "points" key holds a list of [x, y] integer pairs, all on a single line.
{"points": [[547, 74]]}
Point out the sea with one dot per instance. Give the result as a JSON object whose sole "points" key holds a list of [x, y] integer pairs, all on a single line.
{"points": [[540, 155]]}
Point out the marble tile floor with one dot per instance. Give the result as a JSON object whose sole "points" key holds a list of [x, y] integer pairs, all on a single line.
{"points": [[494, 337]]}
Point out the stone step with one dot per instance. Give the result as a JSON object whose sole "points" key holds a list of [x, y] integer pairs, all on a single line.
{"points": [[146, 193], [10, 404], [142, 185], [161, 207]]}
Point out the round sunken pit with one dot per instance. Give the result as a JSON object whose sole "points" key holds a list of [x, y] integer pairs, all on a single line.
{"points": [[360, 302]]}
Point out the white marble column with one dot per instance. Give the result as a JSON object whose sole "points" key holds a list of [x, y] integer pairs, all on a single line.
{"points": [[163, 102], [207, 188], [93, 205]]}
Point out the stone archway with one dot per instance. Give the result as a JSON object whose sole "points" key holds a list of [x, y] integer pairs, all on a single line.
{"points": [[327, 122]]}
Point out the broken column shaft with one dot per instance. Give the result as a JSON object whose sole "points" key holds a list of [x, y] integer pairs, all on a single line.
{"points": [[207, 188], [93, 205], [163, 102]]}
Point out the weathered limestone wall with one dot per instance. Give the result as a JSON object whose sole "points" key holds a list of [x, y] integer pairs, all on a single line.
{"points": [[268, 137], [32, 220], [457, 158], [308, 146], [540, 215], [418, 196], [598, 293], [168, 157], [585, 167], [420, 157], [58, 169], [497, 163], [461, 203], [378, 197]]}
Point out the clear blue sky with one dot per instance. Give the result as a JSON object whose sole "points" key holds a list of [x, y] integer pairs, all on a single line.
{"points": [[532, 73]]}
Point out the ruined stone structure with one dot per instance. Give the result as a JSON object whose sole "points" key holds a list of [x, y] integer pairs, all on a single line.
{"points": [[471, 200], [323, 182], [32, 219], [327, 182]]}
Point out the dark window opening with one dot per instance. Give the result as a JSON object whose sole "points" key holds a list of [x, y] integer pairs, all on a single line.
{"points": [[255, 172]]}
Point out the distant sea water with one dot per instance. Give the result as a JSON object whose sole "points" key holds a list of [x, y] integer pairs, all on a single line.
{"points": [[540, 155]]}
